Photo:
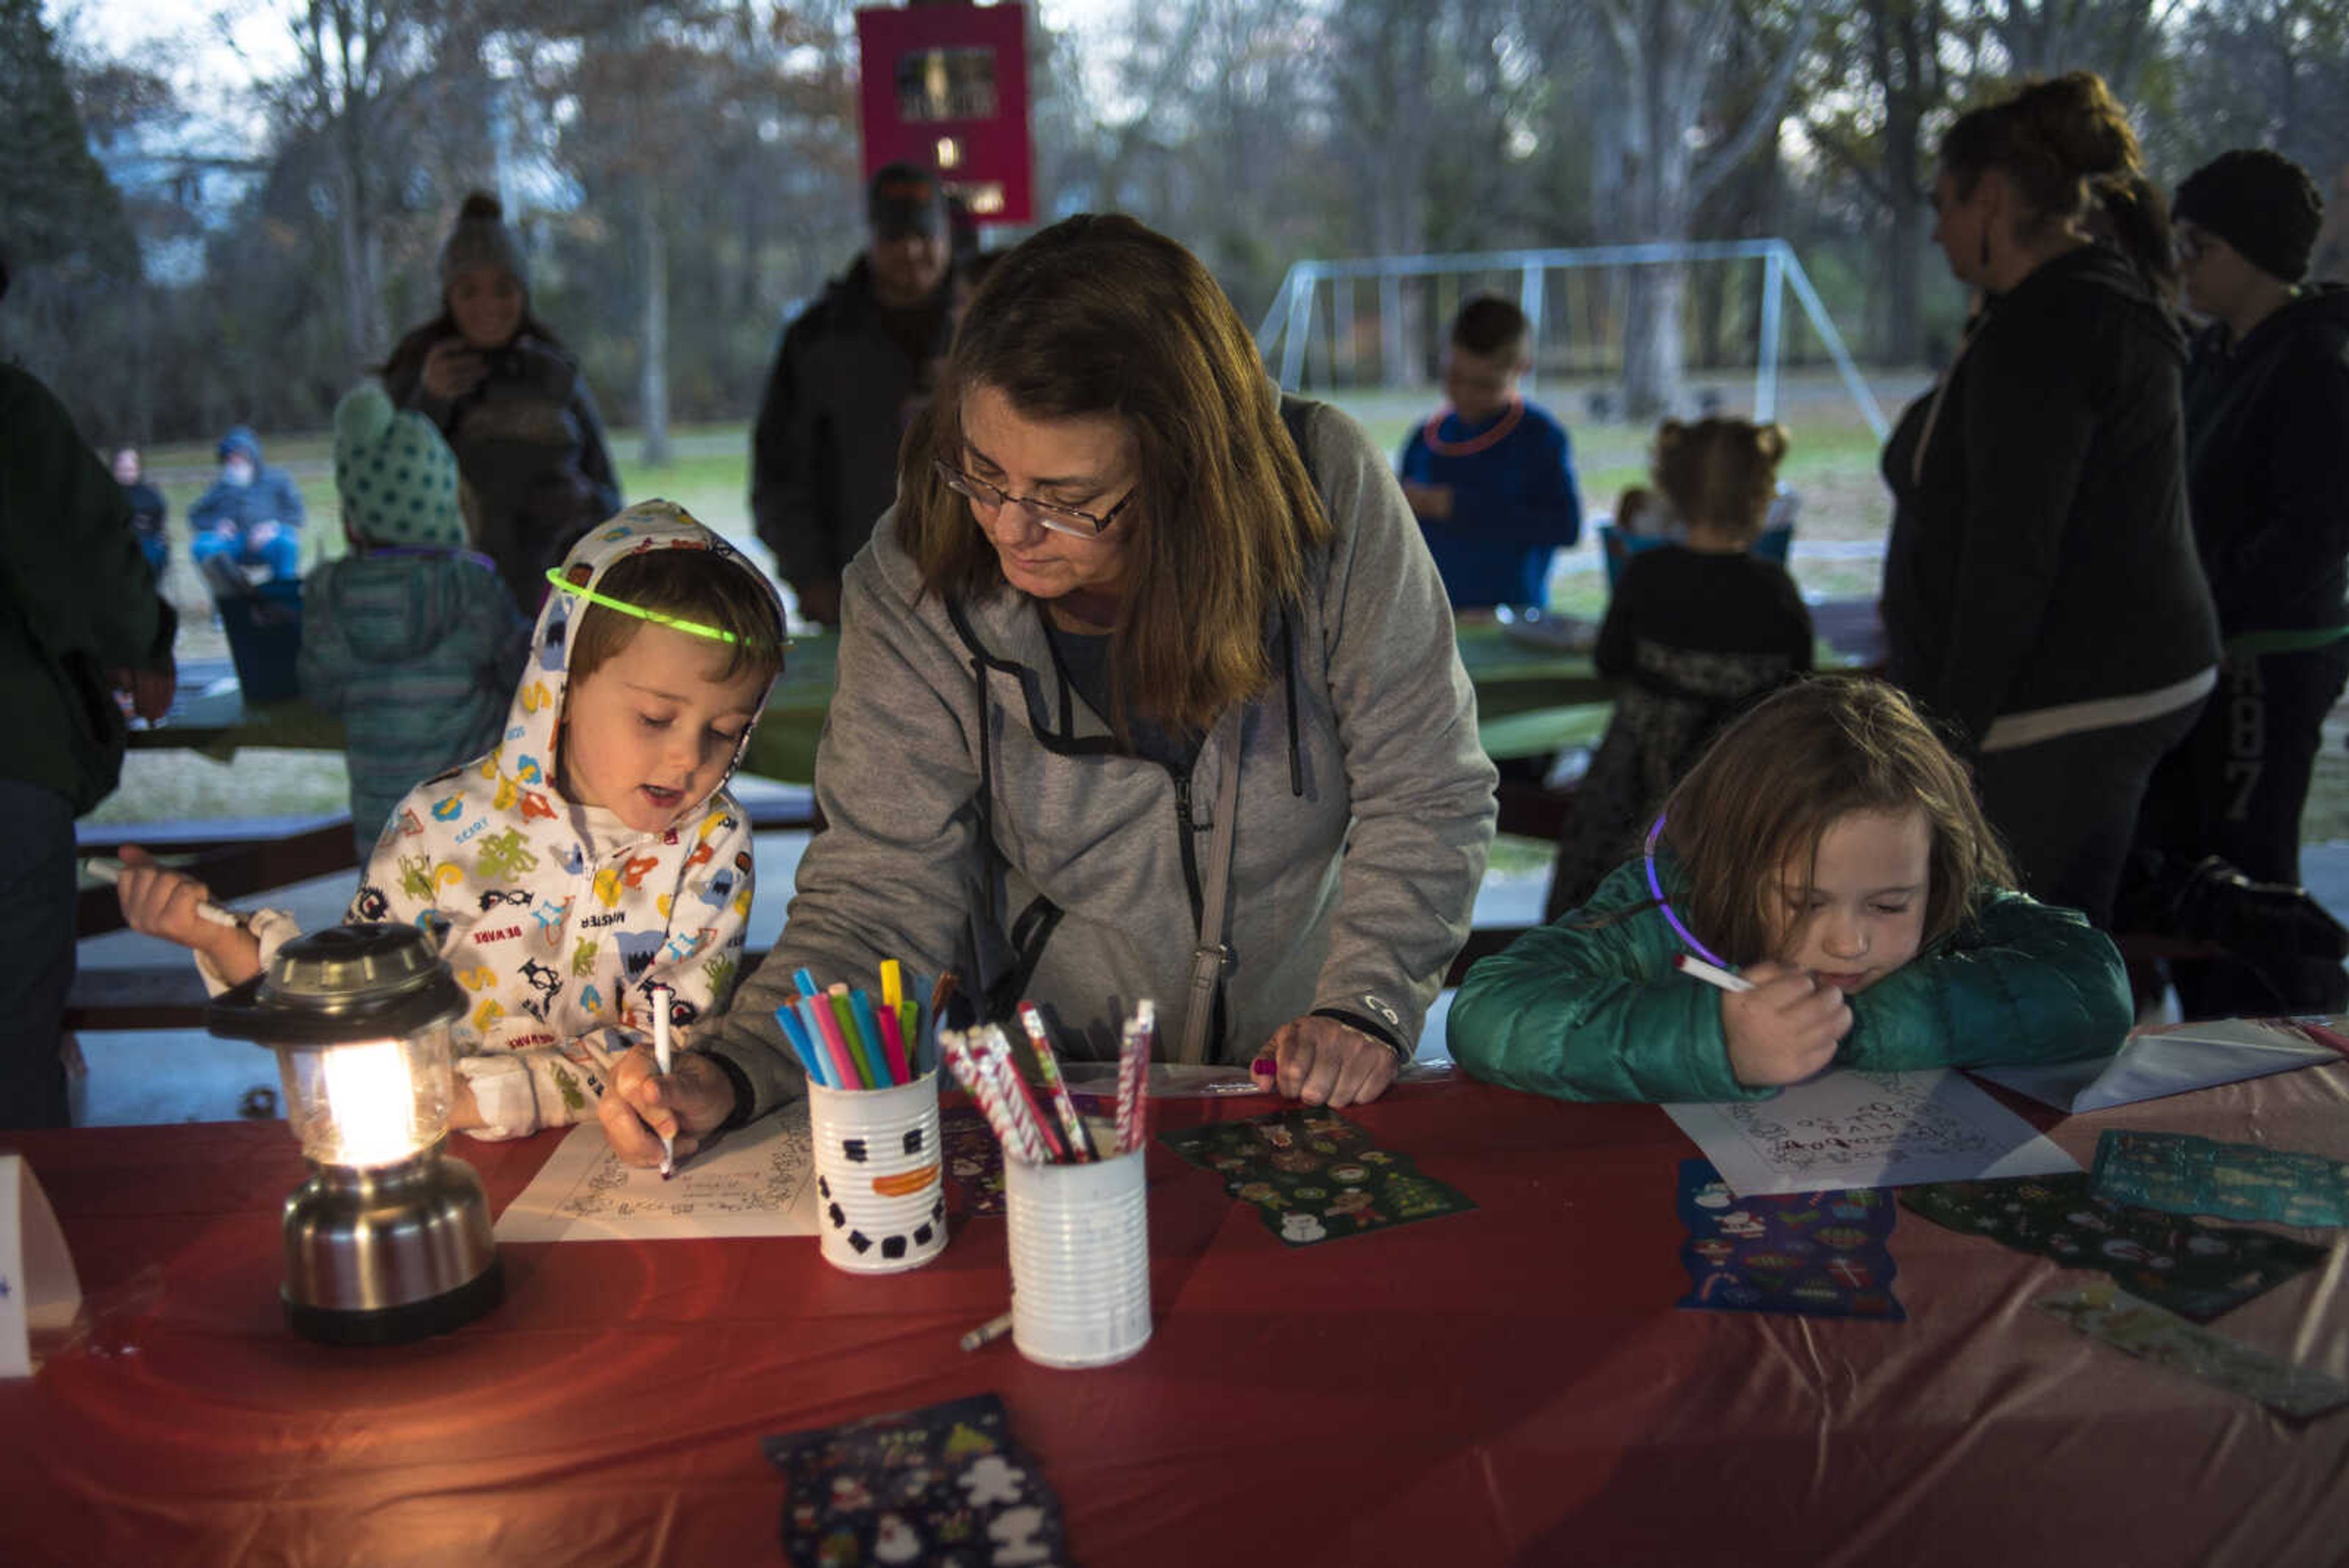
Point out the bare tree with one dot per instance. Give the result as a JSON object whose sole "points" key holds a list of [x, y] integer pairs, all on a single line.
{"points": [[1665, 52]]}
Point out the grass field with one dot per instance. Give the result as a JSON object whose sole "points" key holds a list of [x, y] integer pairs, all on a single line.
{"points": [[1832, 460]]}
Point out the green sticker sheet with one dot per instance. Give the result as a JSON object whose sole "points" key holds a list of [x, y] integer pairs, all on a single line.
{"points": [[2181, 1174], [2195, 1270], [1314, 1176], [2138, 1328]]}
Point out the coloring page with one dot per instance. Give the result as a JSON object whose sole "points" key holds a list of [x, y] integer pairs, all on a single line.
{"points": [[756, 1181]]}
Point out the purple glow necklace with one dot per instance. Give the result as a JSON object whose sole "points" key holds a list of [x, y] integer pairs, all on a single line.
{"points": [[1656, 887]]}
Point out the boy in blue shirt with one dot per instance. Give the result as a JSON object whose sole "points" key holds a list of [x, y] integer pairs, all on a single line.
{"points": [[1491, 478]]}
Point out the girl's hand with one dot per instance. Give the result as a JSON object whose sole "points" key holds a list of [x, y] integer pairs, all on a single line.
{"points": [[162, 903], [1783, 1030], [640, 1103], [1323, 1062], [452, 368]]}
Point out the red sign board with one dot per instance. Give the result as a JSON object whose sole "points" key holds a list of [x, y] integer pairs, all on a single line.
{"points": [[945, 87]]}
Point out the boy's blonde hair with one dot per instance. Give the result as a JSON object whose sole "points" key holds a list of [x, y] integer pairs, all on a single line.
{"points": [[1786, 771], [1720, 472], [692, 584]]}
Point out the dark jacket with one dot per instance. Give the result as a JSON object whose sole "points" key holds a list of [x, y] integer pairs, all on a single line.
{"points": [[530, 445], [2040, 554], [2267, 466], [272, 497], [1591, 1008], [76, 600], [824, 455]]}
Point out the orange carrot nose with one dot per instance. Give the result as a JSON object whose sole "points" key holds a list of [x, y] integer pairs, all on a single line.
{"points": [[905, 1182]]}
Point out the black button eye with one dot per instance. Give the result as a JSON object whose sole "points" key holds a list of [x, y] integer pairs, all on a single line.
{"points": [[913, 1140], [853, 1149]]}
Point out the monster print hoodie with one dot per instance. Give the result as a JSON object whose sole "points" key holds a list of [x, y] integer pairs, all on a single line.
{"points": [[555, 917]]}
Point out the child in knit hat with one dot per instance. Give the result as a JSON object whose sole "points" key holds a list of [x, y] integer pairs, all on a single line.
{"points": [[495, 380], [411, 640]]}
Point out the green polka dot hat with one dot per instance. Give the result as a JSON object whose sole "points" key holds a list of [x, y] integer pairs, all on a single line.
{"points": [[396, 476]]}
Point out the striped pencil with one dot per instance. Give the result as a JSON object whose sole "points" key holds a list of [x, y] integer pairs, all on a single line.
{"points": [[1048, 1070], [1133, 1073], [999, 1059]]}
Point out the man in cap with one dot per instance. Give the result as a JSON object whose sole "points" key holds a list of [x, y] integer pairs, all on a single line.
{"points": [[853, 370], [2267, 433]]}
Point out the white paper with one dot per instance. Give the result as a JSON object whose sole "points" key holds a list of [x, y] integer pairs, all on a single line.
{"points": [[759, 1182], [2171, 1059], [1847, 1128], [38, 1288]]}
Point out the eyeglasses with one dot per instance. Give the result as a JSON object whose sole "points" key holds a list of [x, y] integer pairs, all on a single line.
{"points": [[1058, 519]]}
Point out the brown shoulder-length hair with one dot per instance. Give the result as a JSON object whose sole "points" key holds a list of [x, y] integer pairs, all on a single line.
{"points": [[1783, 774], [1100, 315]]}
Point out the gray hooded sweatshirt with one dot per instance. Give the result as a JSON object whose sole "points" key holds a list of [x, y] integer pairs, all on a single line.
{"points": [[981, 816]]}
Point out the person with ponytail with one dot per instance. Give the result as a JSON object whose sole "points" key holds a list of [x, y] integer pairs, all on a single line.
{"points": [[2042, 599], [511, 402]]}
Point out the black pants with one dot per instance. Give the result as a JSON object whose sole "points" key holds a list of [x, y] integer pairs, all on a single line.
{"points": [[36, 951], [2067, 807], [2235, 788]]}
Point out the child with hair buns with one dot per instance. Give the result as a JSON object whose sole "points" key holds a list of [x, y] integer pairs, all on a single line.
{"points": [[1697, 628]]}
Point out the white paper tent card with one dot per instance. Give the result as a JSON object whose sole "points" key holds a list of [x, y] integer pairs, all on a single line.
{"points": [[1847, 1128], [759, 1181], [38, 1288], [2175, 1058]]}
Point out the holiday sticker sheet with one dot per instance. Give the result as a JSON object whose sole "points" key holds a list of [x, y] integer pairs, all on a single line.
{"points": [[1821, 1254], [974, 1162], [2194, 1269], [946, 1484], [2186, 1175], [1315, 1176], [2103, 1312]]}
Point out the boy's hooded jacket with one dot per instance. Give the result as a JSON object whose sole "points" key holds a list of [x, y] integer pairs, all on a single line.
{"points": [[555, 917], [271, 497]]}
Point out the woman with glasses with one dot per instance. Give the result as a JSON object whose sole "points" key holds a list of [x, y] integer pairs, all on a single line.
{"points": [[1147, 689], [2041, 600]]}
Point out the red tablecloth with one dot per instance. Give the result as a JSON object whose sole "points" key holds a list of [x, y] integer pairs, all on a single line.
{"points": [[1509, 1384]]}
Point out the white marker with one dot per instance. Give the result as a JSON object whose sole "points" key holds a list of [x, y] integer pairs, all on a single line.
{"points": [[660, 995], [109, 870], [1712, 974]]}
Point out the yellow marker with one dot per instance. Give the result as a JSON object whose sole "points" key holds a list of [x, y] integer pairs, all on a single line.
{"points": [[893, 985]]}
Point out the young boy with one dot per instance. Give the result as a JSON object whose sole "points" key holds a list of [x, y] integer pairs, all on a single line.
{"points": [[594, 853], [410, 639], [1490, 479]]}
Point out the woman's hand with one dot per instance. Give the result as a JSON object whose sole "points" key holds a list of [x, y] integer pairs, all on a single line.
{"points": [[1783, 1030], [162, 902], [452, 368], [640, 1105], [1325, 1063]]}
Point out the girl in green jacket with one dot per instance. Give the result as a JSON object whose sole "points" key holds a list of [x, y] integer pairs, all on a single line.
{"points": [[1830, 848]]}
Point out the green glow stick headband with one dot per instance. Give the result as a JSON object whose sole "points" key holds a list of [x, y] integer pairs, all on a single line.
{"points": [[659, 618]]}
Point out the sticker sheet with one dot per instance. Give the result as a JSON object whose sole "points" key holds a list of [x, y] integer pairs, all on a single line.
{"points": [[2194, 1269], [1823, 1255], [947, 1484], [1314, 1176], [2182, 1174], [2134, 1327], [974, 1162], [759, 1182]]}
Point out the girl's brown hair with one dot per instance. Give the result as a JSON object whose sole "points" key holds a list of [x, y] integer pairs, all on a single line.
{"points": [[1774, 783], [1720, 472], [1100, 315], [700, 586], [2065, 144]]}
